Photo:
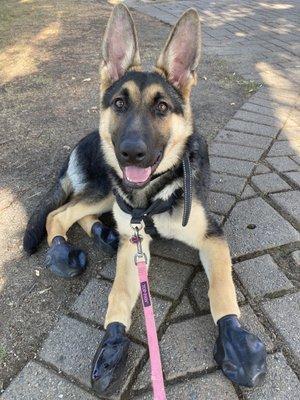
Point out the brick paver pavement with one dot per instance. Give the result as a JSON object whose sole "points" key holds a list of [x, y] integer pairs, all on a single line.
{"points": [[255, 162]]}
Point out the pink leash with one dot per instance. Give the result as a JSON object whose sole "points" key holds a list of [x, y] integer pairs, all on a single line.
{"points": [[155, 360]]}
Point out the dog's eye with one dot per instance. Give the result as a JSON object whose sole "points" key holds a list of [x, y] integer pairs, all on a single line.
{"points": [[162, 107], [119, 104]]}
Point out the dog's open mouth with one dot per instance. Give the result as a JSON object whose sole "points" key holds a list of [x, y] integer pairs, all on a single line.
{"points": [[137, 176]]}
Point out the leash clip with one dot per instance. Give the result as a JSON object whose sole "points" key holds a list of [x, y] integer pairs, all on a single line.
{"points": [[137, 238]]}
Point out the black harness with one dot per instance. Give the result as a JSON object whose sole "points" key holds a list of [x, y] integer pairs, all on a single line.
{"points": [[160, 206]]}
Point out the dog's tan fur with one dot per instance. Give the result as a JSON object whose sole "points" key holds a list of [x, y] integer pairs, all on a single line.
{"points": [[61, 220], [214, 252]]}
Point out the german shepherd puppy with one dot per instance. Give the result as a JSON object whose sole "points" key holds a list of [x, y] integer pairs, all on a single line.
{"points": [[146, 128]]}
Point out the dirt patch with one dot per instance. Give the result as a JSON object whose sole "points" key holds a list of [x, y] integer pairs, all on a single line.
{"points": [[49, 62]]}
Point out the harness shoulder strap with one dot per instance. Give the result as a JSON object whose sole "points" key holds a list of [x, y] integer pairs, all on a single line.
{"points": [[160, 206]]}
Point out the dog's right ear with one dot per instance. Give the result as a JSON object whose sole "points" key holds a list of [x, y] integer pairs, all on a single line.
{"points": [[120, 46]]}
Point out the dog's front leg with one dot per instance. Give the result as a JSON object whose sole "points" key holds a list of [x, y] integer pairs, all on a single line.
{"points": [[126, 288], [241, 355], [215, 258], [109, 361], [64, 259]]}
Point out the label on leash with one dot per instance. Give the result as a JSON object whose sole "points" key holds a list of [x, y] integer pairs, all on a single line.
{"points": [[145, 294]]}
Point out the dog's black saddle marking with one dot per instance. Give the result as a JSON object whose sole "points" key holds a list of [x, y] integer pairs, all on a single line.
{"points": [[160, 206]]}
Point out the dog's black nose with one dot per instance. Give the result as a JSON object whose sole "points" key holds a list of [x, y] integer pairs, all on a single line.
{"points": [[133, 151]]}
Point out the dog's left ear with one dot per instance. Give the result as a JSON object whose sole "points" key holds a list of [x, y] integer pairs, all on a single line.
{"points": [[120, 46], [180, 57]]}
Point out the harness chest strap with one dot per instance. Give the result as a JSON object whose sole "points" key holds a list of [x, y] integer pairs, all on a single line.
{"points": [[160, 206]]}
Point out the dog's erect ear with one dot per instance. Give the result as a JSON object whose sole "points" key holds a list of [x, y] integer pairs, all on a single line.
{"points": [[180, 57], [120, 47]]}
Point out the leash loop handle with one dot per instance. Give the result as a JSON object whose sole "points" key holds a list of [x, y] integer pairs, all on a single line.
{"points": [[157, 379]]}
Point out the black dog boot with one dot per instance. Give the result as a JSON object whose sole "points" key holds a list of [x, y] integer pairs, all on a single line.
{"points": [[240, 354], [65, 260], [110, 359], [106, 238]]}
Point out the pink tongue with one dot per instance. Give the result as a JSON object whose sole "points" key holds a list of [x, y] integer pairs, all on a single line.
{"points": [[136, 174]]}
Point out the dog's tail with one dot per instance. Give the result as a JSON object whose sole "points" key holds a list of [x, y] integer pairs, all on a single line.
{"points": [[36, 227]]}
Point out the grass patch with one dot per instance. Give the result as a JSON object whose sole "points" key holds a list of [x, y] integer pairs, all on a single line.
{"points": [[248, 87], [228, 79]]}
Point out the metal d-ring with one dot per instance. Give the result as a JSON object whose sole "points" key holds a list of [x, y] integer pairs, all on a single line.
{"points": [[137, 226]]}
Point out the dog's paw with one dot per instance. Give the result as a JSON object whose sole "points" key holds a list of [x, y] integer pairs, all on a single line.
{"points": [[107, 239], [65, 260], [240, 354], [110, 359]]}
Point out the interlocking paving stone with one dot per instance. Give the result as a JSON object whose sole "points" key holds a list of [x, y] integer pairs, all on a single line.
{"points": [[252, 127], [248, 192], [36, 382], [289, 202], [296, 159], [268, 183], [282, 149], [278, 96], [258, 118], [166, 278], [92, 305], [273, 105], [220, 202], [261, 276], [230, 166], [289, 133], [250, 321], [199, 288], [284, 313], [281, 383], [261, 169], [270, 228], [227, 183], [206, 387], [283, 164], [256, 108], [93, 301], [296, 257], [235, 151], [188, 346], [294, 176], [243, 139], [71, 347], [144, 378], [108, 268], [174, 250], [184, 308], [218, 218]]}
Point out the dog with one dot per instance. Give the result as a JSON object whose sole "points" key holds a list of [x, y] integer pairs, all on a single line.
{"points": [[133, 162]]}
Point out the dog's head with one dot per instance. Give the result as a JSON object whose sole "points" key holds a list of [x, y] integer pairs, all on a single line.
{"points": [[145, 117]]}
